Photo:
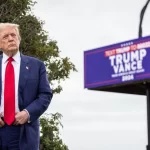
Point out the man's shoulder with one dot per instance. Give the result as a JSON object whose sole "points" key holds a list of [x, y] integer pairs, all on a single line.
{"points": [[31, 59]]}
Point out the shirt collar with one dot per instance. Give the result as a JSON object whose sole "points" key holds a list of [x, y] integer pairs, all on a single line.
{"points": [[16, 57]]}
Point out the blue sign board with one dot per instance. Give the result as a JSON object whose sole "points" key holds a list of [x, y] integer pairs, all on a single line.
{"points": [[122, 63]]}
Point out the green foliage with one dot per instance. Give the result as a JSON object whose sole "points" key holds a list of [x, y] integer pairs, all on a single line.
{"points": [[11, 10], [50, 136], [35, 40]]}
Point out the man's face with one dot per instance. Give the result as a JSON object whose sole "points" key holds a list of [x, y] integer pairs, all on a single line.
{"points": [[9, 41]]}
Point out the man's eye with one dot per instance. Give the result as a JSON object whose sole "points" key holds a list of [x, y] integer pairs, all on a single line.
{"points": [[5, 37], [13, 35]]}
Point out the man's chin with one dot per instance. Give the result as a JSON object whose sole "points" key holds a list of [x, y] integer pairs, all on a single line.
{"points": [[13, 48], [12, 52]]}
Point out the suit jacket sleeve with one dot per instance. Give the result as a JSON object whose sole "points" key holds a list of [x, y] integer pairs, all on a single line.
{"points": [[40, 105]]}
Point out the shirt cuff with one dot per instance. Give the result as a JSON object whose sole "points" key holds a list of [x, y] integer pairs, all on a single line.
{"points": [[28, 115]]}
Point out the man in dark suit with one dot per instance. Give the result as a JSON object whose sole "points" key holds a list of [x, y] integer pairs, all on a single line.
{"points": [[25, 93]]}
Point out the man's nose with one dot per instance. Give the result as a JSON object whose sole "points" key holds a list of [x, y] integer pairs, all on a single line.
{"points": [[10, 38]]}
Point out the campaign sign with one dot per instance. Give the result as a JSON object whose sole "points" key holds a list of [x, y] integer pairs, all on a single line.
{"points": [[122, 63]]}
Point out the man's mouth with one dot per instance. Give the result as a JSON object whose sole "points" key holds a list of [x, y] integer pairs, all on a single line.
{"points": [[11, 45]]}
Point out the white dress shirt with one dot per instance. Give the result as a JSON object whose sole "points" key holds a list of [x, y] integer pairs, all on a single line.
{"points": [[16, 64]]}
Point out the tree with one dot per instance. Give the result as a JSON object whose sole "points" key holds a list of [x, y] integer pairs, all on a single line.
{"points": [[50, 137], [36, 42]]}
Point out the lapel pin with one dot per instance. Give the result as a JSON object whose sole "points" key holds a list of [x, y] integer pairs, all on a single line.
{"points": [[27, 67]]}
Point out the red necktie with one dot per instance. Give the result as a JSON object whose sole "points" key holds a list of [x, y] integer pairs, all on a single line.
{"points": [[9, 93]]}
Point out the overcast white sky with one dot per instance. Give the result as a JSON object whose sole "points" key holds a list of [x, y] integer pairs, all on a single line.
{"points": [[95, 120]]}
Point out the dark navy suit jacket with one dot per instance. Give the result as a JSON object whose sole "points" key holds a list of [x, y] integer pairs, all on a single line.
{"points": [[34, 95]]}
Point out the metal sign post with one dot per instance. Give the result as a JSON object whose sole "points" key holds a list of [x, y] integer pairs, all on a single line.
{"points": [[147, 86]]}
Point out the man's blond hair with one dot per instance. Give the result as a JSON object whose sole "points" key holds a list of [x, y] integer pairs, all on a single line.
{"points": [[13, 25]]}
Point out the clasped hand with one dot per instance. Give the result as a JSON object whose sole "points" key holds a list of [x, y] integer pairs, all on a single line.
{"points": [[20, 118]]}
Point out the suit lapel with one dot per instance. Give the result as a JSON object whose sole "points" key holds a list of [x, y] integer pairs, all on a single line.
{"points": [[24, 72]]}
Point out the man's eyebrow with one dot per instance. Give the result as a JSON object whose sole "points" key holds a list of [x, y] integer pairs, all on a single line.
{"points": [[5, 34]]}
